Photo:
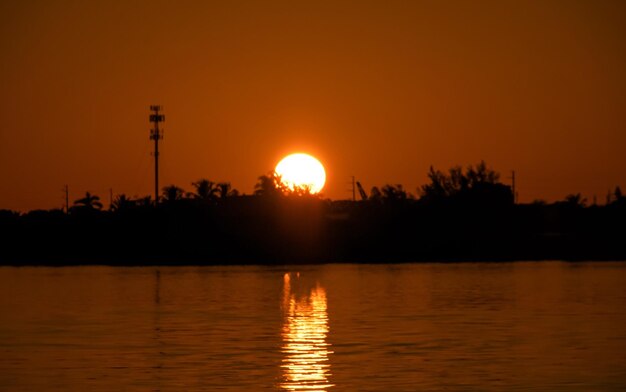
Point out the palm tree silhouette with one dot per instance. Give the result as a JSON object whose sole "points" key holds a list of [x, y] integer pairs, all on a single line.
{"points": [[172, 193], [145, 201], [89, 202], [205, 190], [225, 190], [122, 203]]}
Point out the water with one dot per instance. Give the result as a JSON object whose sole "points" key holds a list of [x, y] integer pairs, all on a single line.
{"points": [[428, 327]]}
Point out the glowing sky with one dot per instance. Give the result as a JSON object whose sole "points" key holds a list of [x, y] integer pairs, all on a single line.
{"points": [[376, 89]]}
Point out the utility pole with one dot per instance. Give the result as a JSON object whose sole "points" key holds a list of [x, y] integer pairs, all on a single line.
{"points": [[155, 134], [353, 189], [110, 198], [513, 186], [67, 199]]}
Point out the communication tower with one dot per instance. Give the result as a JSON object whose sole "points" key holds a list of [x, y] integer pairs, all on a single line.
{"points": [[155, 134]]}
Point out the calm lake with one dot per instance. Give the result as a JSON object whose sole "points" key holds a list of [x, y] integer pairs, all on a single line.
{"points": [[400, 327]]}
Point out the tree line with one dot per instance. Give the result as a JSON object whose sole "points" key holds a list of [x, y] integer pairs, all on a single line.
{"points": [[479, 185], [461, 214]]}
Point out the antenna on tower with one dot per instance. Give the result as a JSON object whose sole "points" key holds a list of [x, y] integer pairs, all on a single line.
{"points": [[156, 135]]}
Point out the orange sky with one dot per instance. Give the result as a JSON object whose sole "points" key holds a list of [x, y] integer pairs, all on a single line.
{"points": [[378, 89]]}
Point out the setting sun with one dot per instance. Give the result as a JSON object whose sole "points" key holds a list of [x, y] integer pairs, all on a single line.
{"points": [[301, 171]]}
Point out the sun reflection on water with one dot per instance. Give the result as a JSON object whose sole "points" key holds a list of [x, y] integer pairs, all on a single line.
{"points": [[305, 327]]}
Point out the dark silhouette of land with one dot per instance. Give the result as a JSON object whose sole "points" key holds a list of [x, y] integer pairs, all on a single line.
{"points": [[461, 215]]}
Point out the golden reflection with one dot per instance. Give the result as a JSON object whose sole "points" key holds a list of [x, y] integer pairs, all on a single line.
{"points": [[305, 363]]}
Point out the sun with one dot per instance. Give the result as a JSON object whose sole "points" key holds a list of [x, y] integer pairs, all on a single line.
{"points": [[301, 171]]}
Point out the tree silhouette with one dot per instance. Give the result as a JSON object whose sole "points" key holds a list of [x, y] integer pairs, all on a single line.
{"points": [[172, 193], [375, 194], [298, 190], [473, 218], [89, 202], [439, 186], [617, 198], [478, 184], [204, 190], [145, 201], [225, 190], [481, 175], [269, 185], [122, 203], [575, 200], [393, 193]]}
